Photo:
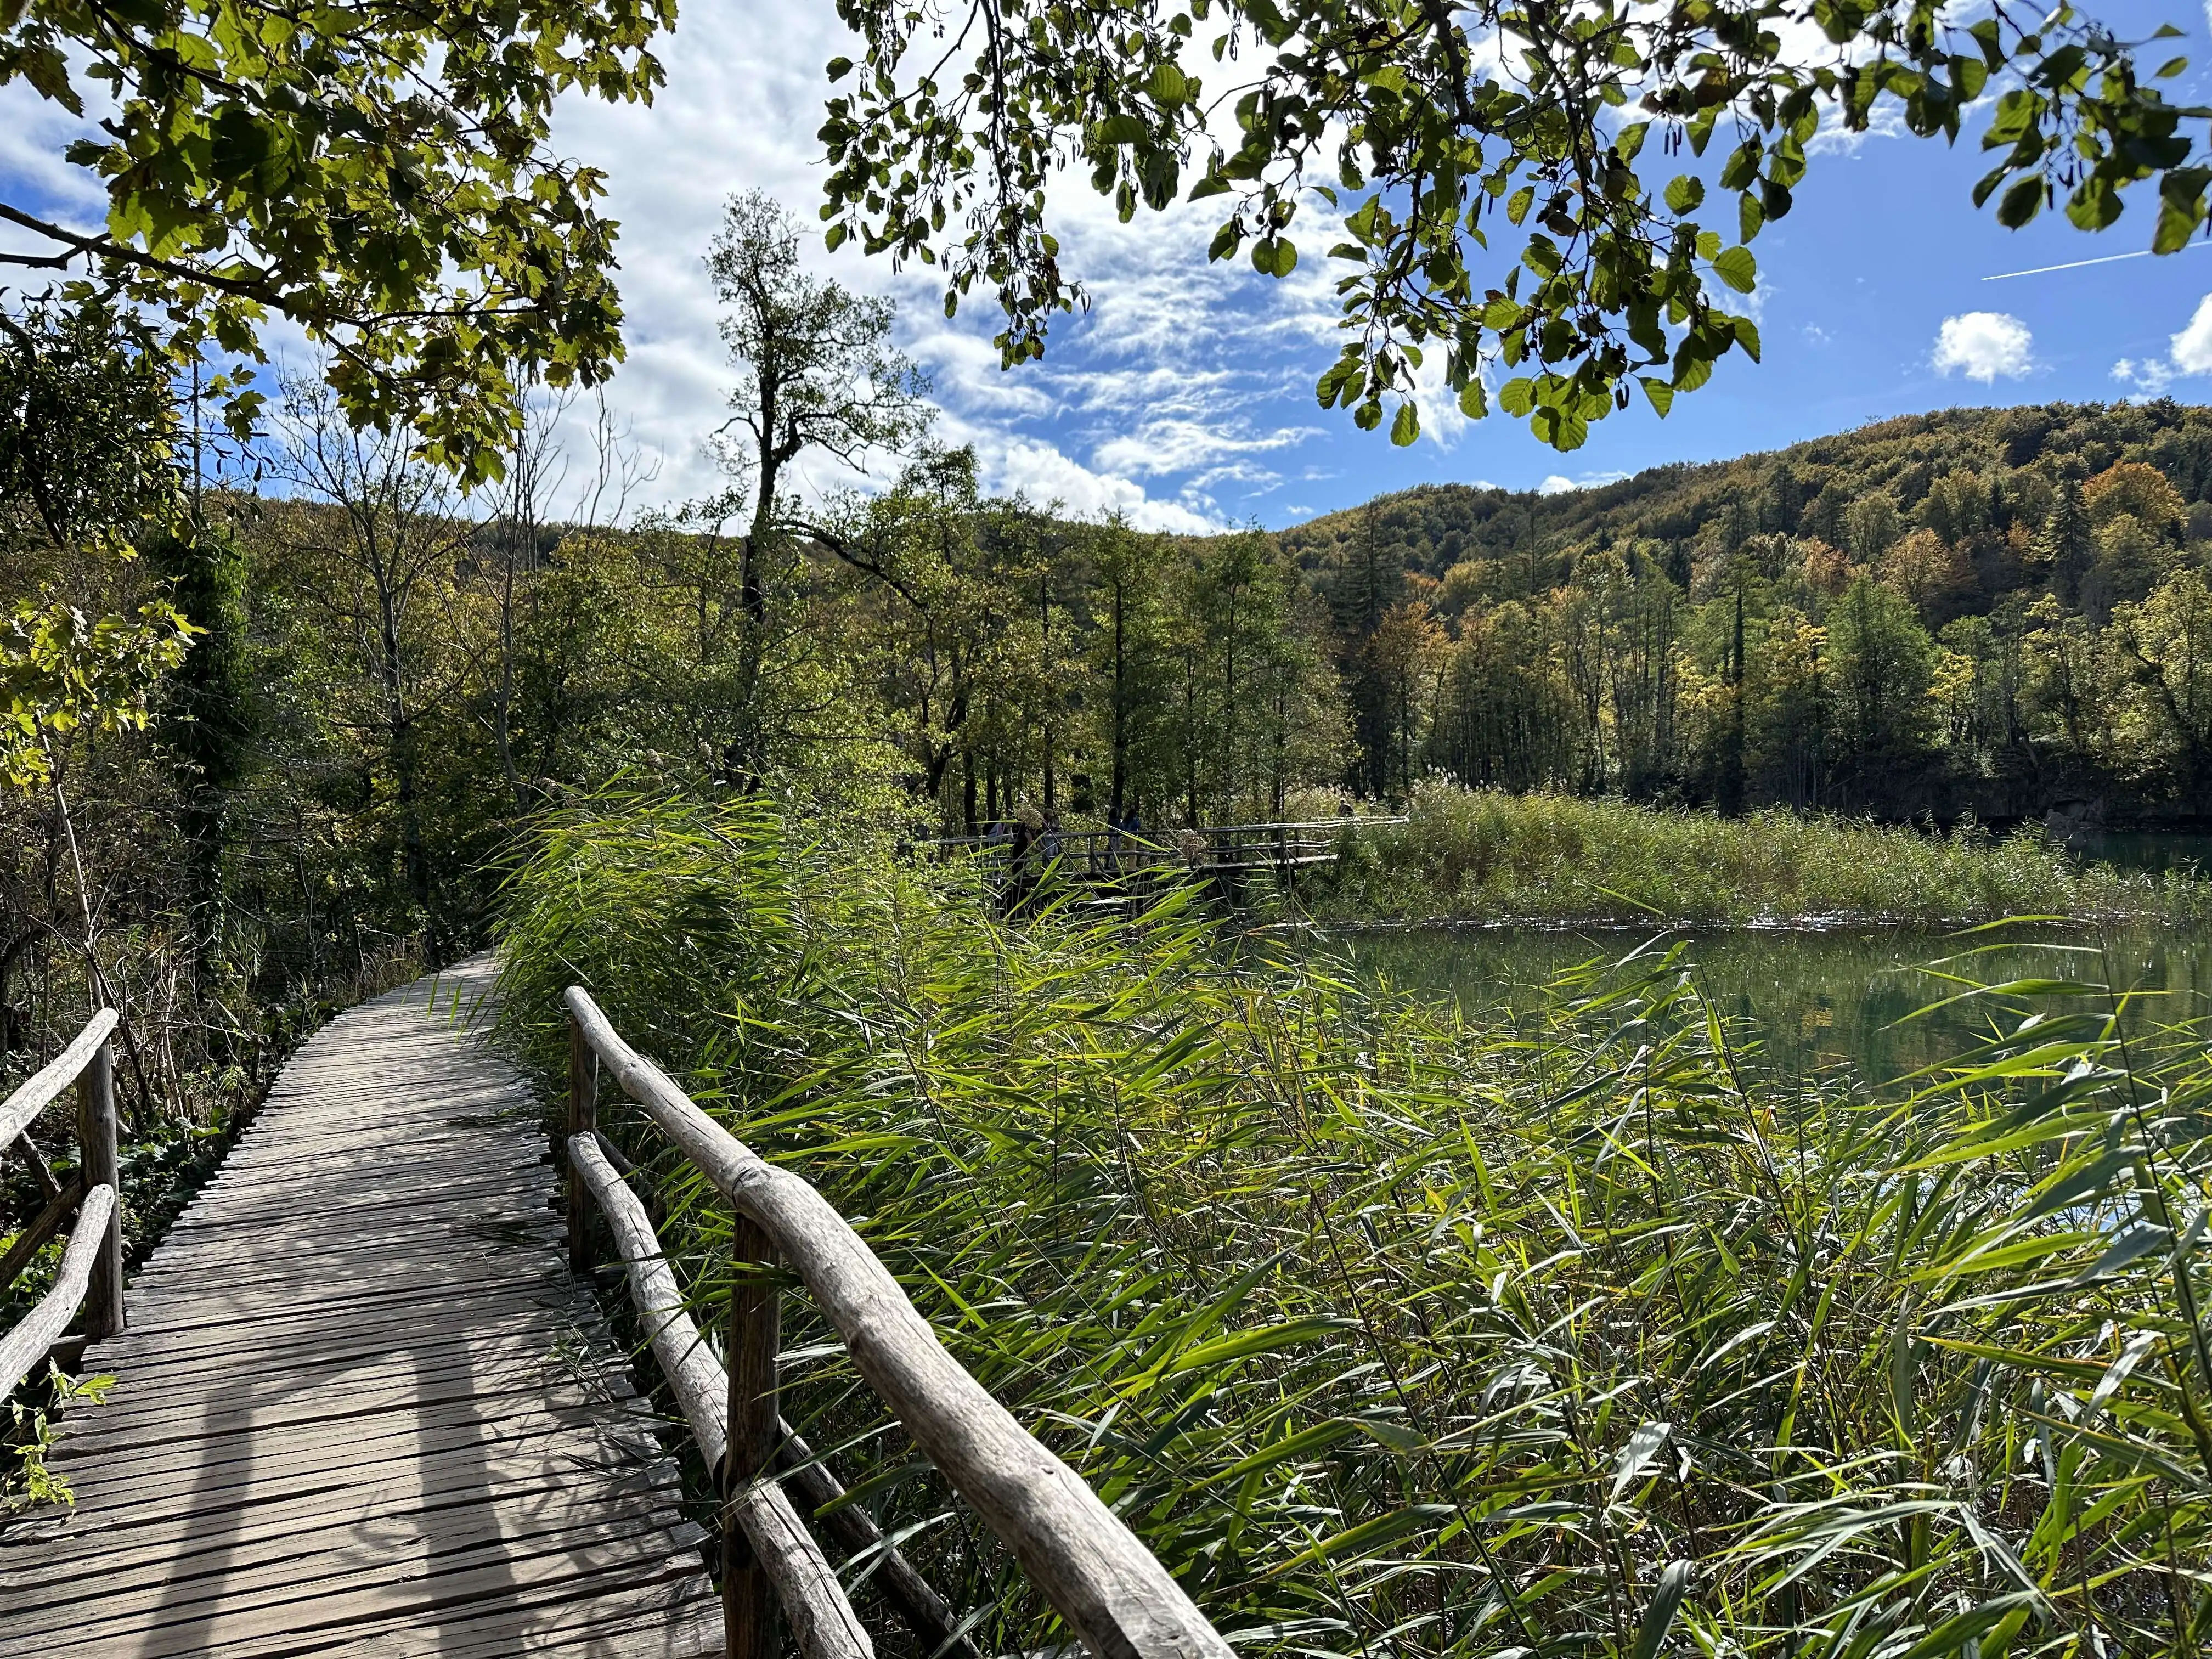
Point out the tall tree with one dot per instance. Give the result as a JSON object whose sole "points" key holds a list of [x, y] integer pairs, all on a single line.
{"points": [[817, 370]]}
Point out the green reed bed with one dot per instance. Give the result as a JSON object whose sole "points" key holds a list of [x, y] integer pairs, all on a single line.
{"points": [[1394, 1334], [1485, 855]]}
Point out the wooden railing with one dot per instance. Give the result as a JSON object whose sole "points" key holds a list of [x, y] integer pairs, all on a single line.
{"points": [[1112, 1593], [91, 1273], [1231, 850]]}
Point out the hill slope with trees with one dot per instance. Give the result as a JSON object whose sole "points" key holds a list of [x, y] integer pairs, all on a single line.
{"points": [[1995, 612]]}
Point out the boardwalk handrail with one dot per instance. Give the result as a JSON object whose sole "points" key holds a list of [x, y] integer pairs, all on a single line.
{"points": [[91, 1275], [1114, 1595], [822, 1619]]}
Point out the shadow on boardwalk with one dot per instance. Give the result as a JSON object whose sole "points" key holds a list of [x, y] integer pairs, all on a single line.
{"points": [[362, 1407]]}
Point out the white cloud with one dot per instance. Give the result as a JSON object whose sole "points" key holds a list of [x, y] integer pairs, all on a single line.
{"points": [[1558, 484], [1184, 445], [1047, 477], [1166, 388], [1983, 344], [2188, 352], [2192, 348], [2151, 375]]}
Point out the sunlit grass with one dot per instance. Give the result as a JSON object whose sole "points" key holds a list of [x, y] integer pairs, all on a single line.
{"points": [[1395, 1335], [1486, 855]]}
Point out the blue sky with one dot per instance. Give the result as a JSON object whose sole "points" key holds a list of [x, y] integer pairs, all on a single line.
{"points": [[1185, 396]]}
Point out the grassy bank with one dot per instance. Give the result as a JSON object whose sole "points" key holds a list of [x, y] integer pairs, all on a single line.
{"points": [[1396, 1335], [1483, 855]]}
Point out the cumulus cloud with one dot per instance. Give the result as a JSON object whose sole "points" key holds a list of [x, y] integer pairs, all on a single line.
{"points": [[2188, 352], [1559, 484], [1983, 344], [2192, 348]]}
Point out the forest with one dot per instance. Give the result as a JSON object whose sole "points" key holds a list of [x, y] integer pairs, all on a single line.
{"points": [[1973, 613]]}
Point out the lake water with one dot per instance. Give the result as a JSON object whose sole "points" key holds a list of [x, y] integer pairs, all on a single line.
{"points": [[1806, 999]]}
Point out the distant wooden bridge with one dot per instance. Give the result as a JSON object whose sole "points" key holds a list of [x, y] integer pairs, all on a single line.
{"points": [[365, 1404], [1223, 857]]}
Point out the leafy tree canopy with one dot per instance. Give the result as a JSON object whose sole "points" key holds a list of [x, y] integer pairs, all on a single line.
{"points": [[378, 173], [1434, 129]]}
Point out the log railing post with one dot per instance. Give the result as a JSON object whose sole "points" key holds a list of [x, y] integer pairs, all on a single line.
{"points": [[98, 1166], [583, 1120], [756, 1337]]}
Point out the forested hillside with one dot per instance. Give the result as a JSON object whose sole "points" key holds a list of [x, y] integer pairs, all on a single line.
{"points": [[1987, 612]]}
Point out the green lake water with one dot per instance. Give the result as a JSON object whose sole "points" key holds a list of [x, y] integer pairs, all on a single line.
{"points": [[1806, 1001]]}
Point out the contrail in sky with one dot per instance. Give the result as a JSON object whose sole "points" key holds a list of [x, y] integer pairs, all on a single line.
{"points": [[2076, 264]]}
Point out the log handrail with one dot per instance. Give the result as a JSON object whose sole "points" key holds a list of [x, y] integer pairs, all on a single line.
{"points": [[91, 1275], [49, 1080], [822, 1619], [27, 1344], [1113, 1592]]}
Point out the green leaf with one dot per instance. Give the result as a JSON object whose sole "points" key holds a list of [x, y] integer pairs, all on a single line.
{"points": [[1474, 403], [1518, 397], [1750, 214], [1406, 426], [1242, 1345], [1684, 194], [1518, 209], [2138, 1241], [1959, 1632], [1737, 269], [2094, 205], [2022, 202], [1659, 1612], [1747, 336], [1369, 1535], [1660, 394], [1637, 1454], [1628, 142]]}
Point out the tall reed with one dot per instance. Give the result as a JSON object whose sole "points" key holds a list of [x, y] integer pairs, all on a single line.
{"points": [[1392, 1334], [1485, 855]]}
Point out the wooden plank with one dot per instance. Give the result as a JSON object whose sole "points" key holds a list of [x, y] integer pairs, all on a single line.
{"points": [[364, 1407]]}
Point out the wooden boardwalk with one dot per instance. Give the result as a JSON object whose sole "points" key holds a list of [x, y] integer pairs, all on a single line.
{"points": [[362, 1407]]}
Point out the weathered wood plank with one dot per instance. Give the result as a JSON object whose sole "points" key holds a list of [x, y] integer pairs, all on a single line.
{"points": [[363, 1408]]}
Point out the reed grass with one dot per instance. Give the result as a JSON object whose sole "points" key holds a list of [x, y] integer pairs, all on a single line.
{"points": [[1395, 1334], [1465, 854]]}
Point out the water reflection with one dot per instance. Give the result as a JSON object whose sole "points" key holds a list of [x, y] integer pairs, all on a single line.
{"points": [[1809, 1000]]}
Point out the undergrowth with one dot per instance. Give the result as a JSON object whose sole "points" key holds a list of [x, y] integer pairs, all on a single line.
{"points": [[1392, 1333], [1465, 854]]}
